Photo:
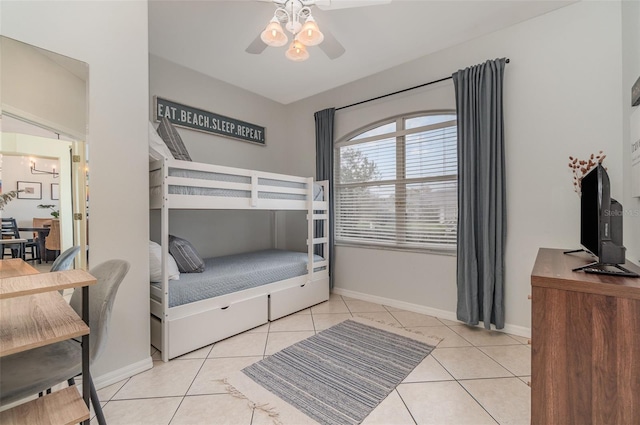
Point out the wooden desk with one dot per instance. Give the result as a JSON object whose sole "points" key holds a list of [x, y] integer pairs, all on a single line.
{"points": [[15, 267], [585, 359], [34, 314]]}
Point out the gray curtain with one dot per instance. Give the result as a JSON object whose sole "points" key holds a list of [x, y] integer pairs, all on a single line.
{"points": [[481, 194], [324, 171]]}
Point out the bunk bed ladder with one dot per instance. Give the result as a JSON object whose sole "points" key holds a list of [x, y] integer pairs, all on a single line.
{"points": [[312, 241]]}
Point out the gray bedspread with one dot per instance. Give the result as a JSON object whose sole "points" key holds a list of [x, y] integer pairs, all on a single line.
{"points": [[232, 273]]}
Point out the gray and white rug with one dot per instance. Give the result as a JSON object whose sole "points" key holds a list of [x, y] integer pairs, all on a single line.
{"points": [[340, 375]]}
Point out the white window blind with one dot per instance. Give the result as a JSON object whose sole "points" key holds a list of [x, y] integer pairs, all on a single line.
{"points": [[396, 184]]}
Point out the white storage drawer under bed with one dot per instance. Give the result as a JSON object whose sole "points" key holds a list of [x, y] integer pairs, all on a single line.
{"points": [[188, 333], [296, 298]]}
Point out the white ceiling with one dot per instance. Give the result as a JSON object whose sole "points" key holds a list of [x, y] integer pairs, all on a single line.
{"points": [[211, 37]]}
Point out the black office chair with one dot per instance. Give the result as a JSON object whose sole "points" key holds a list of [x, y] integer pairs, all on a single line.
{"points": [[10, 231]]}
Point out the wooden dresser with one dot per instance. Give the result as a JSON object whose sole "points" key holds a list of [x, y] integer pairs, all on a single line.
{"points": [[585, 360]]}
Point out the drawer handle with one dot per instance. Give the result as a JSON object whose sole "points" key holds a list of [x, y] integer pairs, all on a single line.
{"points": [[224, 308], [303, 285]]}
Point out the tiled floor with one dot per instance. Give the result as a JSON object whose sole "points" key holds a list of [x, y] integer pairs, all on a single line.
{"points": [[473, 377]]}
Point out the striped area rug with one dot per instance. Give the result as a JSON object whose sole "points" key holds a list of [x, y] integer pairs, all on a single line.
{"points": [[341, 374]]}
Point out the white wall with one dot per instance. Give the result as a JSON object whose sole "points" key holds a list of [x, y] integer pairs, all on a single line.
{"points": [[630, 73], [216, 233], [41, 89], [562, 98], [112, 37]]}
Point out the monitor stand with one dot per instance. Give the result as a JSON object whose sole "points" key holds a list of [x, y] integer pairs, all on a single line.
{"points": [[599, 268]]}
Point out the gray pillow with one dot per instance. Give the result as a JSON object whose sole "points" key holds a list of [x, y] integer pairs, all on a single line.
{"points": [[172, 139], [186, 256]]}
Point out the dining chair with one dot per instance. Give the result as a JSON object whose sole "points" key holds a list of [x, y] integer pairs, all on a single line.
{"points": [[10, 231], [52, 243], [34, 371]]}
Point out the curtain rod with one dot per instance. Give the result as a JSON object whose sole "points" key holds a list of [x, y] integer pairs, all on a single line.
{"points": [[399, 91]]}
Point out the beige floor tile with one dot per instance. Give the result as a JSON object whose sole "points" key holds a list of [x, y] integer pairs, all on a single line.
{"points": [[449, 337], [411, 319], [163, 380], [482, 337], [380, 317], [324, 321], [260, 329], [331, 306], [302, 322], [492, 394], [152, 350], [515, 358], [469, 363], [451, 322], [428, 370], [260, 417], [152, 411], [216, 409], [391, 411], [279, 340], [358, 306], [442, 403], [389, 308], [525, 379], [305, 311], [242, 345], [202, 353], [209, 379], [157, 356], [106, 393], [520, 339]]}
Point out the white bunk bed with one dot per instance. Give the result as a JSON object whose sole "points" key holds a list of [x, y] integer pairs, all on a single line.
{"points": [[175, 184]]}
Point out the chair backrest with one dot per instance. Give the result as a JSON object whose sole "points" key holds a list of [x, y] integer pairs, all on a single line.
{"points": [[53, 239], [10, 228], [101, 297], [64, 260]]}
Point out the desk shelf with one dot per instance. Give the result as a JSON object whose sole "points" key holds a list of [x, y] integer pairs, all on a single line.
{"points": [[64, 407], [33, 314]]}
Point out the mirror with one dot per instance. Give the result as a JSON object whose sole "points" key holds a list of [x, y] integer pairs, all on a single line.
{"points": [[44, 97]]}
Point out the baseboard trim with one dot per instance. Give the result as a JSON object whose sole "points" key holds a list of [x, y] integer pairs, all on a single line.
{"points": [[123, 373], [416, 308]]}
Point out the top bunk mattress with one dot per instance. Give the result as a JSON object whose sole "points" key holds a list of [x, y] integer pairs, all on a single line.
{"points": [[318, 194], [233, 273]]}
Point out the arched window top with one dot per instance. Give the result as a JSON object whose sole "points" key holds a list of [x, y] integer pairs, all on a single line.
{"points": [[396, 183]]}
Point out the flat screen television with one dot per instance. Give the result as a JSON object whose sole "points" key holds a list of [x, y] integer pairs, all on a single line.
{"points": [[601, 225]]}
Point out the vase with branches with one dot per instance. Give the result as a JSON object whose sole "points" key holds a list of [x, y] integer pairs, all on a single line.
{"points": [[5, 198], [580, 168]]}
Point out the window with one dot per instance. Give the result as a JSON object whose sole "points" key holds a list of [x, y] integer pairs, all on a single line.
{"points": [[396, 184]]}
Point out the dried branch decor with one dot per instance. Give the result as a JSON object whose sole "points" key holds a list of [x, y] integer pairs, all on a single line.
{"points": [[580, 168]]}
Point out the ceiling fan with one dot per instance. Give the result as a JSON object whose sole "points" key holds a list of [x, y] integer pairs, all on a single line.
{"points": [[297, 19]]}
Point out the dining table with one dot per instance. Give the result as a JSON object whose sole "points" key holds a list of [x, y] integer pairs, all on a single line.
{"points": [[42, 232]]}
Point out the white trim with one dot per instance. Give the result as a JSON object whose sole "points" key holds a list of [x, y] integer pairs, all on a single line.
{"points": [[416, 308], [122, 373]]}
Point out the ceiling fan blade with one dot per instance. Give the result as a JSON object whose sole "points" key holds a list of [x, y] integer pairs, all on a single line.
{"points": [[344, 4], [256, 47], [331, 46]]}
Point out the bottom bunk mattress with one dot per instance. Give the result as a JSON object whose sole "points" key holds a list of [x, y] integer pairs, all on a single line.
{"points": [[233, 273]]}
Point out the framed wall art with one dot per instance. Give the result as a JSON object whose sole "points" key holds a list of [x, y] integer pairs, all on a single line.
{"points": [[29, 190]]}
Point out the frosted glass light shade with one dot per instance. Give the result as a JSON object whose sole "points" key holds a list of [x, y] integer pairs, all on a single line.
{"points": [[310, 34], [273, 35], [297, 52]]}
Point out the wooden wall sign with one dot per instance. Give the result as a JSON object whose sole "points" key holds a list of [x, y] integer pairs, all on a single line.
{"points": [[197, 119]]}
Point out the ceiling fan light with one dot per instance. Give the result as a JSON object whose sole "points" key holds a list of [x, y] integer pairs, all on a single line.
{"points": [[310, 34], [297, 52], [273, 35]]}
